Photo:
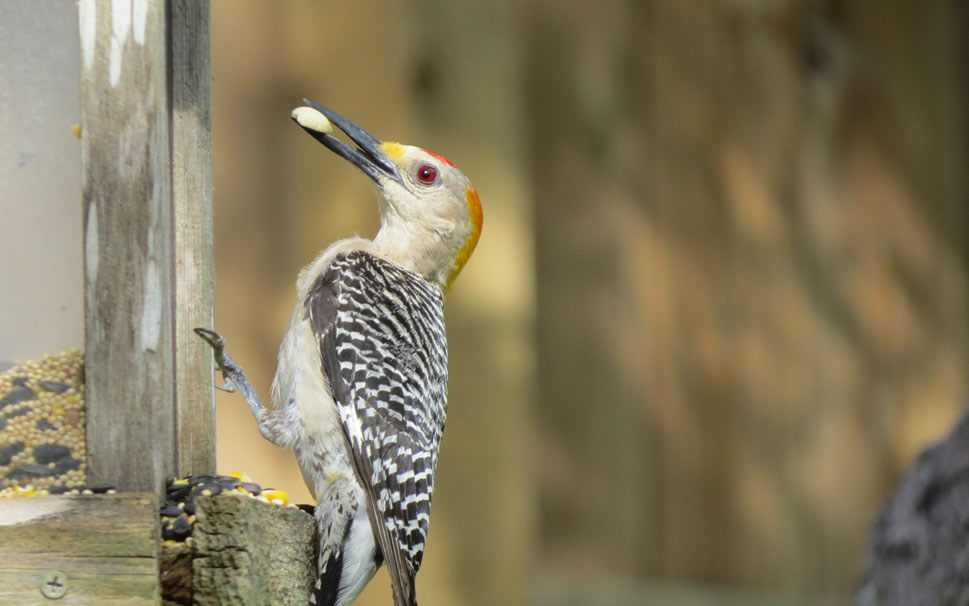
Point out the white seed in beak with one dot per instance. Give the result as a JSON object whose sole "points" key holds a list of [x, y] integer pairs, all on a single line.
{"points": [[307, 117]]}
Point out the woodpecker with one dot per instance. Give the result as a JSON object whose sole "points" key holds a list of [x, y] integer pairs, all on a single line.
{"points": [[360, 392]]}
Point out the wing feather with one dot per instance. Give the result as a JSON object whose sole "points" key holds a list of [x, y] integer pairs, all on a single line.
{"points": [[380, 331]]}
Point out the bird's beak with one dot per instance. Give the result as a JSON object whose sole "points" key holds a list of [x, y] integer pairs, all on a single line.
{"points": [[368, 156]]}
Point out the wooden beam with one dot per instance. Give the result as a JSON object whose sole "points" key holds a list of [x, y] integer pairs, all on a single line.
{"points": [[194, 258], [99, 549], [248, 552], [147, 226]]}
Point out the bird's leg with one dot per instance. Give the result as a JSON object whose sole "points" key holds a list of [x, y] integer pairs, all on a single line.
{"points": [[235, 378], [271, 423]]}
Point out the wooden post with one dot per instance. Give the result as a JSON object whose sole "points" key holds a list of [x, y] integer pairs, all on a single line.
{"points": [[147, 240], [191, 76], [249, 553]]}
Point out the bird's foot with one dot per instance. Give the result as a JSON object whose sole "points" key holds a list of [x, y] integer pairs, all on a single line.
{"points": [[235, 378]]}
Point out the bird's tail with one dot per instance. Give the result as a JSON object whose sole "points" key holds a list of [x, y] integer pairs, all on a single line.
{"points": [[348, 555], [327, 584]]}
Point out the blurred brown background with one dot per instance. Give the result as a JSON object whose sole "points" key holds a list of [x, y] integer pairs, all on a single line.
{"points": [[720, 300]]}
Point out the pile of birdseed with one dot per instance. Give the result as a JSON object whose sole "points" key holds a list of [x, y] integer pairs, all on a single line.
{"points": [[178, 512], [42, 439]]}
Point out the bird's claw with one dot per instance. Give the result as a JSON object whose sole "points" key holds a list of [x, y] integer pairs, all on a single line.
{"points": [[234, 377], [228, 387], [214, 339], [222, 359]]}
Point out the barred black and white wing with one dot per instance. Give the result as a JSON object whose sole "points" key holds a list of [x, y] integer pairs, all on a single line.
{"points": [[383, 349]]}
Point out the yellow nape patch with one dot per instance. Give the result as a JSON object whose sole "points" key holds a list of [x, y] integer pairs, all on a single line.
{"points": [[477, 220], [333, 477], [394, 151]]}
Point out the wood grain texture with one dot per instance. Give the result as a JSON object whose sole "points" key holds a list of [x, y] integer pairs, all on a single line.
{"points": [[106, 545], [126, 180], [191, 123], [148, 240], [251, 553]]}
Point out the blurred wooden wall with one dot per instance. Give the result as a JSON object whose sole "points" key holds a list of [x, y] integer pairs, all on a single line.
{"points": [[751, 250], [720, 300]]}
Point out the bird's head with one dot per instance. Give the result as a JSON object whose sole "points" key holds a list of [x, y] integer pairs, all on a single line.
{"points": [[430, 215]]}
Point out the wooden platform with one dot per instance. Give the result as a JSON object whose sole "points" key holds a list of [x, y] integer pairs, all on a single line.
{"points": [[105, 549], [98, 549]]}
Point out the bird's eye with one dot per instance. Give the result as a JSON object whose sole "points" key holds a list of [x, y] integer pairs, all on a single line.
{"points": [[426, 174]]}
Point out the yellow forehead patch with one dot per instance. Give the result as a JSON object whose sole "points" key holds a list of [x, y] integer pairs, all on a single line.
{"points": [[394, 151]]}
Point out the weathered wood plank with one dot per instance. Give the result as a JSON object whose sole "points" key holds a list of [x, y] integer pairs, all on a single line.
{"points": [[192, 203], [130, 374], [148, 240], [250, 552], [103, 548]]}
